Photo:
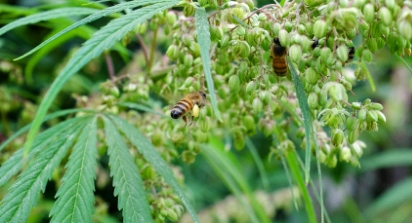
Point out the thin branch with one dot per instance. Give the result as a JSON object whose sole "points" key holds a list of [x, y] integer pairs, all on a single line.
{"points": [[152, 51], [110, 66], [143, 46]]}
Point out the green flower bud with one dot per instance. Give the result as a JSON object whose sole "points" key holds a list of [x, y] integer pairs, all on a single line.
{"points": [[384, 29], [369, 12], [188, 60], [405, 29], [172, 52], [372, 116], [187, 157], [240, 31], [114, 91], [265, 96], [362, 114], [342, 53], [320, 29], [390, 4], [353, 136], [250, 87], [276, 28], [171, 18], [376, 106], [295, 39], [154, 25], [242, 49], [385, 15], [224, 42], [351, 123], [372, 45], [311, 76], [337, 137], [295, 52], [381, 116], [249, 123], [262, 17], [221, 92], [157, 138], [345, 154], [380, 43], [142, 28], [332, 161], [283, 37], [305, 43], [205, 124], [325, 53], [188, 82], [367, 55], [351, 33], [257, 105], [313, 100], [234, 83], [188, 10], [238, 12]]}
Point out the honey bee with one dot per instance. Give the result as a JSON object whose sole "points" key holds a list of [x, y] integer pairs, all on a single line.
{"points": [[278, 56], [193, 101]]}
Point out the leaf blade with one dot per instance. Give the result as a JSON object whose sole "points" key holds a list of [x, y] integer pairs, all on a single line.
{"points": [[153, 157], [202, 27], [142, 108], [102, 39], [128, 183], [307, 119], [75, 196], [47, 15]]}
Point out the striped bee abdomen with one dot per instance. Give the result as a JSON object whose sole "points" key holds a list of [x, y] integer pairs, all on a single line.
{"points": [[280, 66], [181, 108]]}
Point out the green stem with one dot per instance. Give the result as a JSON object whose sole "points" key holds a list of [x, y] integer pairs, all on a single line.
{"points": [[292, 162], [152, 51]]}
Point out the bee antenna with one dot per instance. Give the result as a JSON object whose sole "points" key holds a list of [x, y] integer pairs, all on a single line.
{"points": [[276, 40]]}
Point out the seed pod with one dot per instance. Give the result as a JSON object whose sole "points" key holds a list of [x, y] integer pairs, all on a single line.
{"points": [[367, 55], [234, 83], [380, 42], [238, 12], [345, 154], [224, 42], [295, 52], [265, 96], [362, 114], [385, 15], [337, 137], [332, 161], [372, 116], [257, 105], [311, 76], [353, 135], [405, 29], [325, 53], [240, 31], [188, 82], [249, 123], [320, 28], [384, 29], [188, 61], [313, 100], [390, 4], [283, 37], [342, 53], [250, 4], [351, 123], [381, 116], [369, 12], [276, 28], [250, 87], [172, 52], [372, 45], [205, 124], [188, 10], [114, 91], [157, 138], [296, 39]]}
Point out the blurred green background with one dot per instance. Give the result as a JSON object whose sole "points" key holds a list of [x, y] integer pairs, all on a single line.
{"points": [[379, 191]]}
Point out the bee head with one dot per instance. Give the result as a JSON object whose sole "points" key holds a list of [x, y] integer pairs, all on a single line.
{"points": [[351, 50], [276, 41], [203, 94]]}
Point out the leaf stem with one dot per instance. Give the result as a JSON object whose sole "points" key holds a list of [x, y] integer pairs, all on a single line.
{"points": [[152, 50], [110, 66], [143, 46]]}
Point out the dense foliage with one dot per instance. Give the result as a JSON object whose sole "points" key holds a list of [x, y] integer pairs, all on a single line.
{"points": [[222, 48]]}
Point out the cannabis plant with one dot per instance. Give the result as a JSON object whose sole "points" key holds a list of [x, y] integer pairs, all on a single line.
{"points": [[222, 48]]}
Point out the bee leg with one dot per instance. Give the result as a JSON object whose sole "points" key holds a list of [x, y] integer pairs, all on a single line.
{"points": [[191, 120], [185, 119]]}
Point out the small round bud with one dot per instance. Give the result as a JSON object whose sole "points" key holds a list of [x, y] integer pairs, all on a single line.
{"points": [[320, 28], [234, 83], [250, 87], [385, 15], [313, 100], [311, 76], [187, 157], [342, 53], [345, 154], [249, 123], [325, 53], [262, 17], [372, 116], [295, 52], [381, 116], [390, 4], [114, 91], [238, 12], [205, 124], [257, 105], [351, 123], [188, 60], [372, 45], [337, 137], [353, 135], [172, 52], [369, 12], [240, 31], [224, 42], [367, 55], [188, 10], [188, 82], [283, 37], [171, 18], [362, 114], [405, 29]]}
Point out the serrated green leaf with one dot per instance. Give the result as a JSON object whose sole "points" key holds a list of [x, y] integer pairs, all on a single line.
{"points": [[101, 40], [48, 117], [152, 156], [47, 15], [390, 158], [24, 193], [396, 195], [13, 164], [259, 163], [142, 108], [307, 119], [126, 178], [203, 39], [75, 196], [102, 13]]}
